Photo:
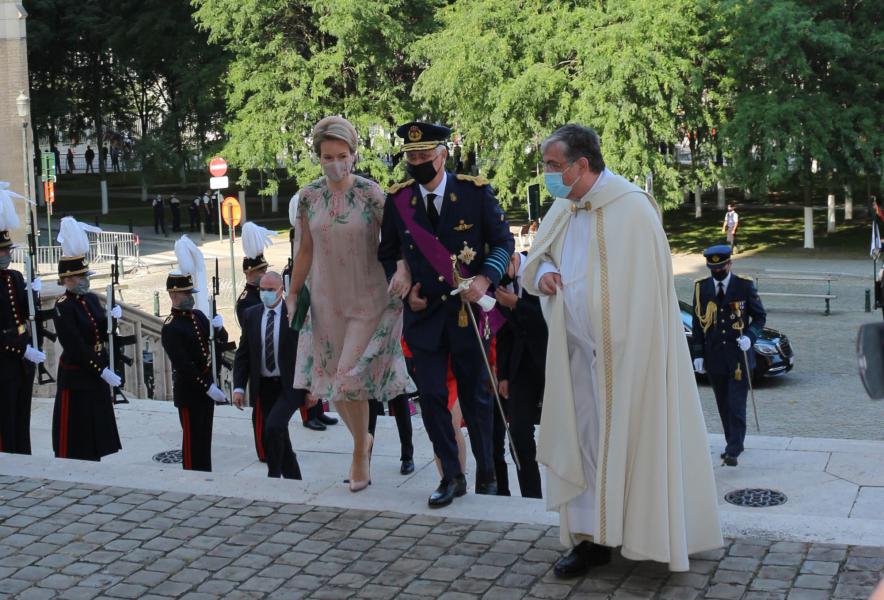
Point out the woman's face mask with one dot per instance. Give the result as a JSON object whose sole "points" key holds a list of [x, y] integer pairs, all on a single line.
{"points": [[337, 170]]}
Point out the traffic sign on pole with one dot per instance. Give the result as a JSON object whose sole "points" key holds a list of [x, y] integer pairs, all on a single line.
{"points": [[231, 211], [219, 183], [218, 167]]}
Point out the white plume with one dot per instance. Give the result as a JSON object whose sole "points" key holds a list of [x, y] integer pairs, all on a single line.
{"points": [[8, 217], [293, 209], [255, 238], [191, 262], [72, 237]]}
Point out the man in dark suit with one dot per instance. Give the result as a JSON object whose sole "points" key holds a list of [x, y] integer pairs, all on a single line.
{"points": [[728, 318], [266, 358], [428, 219], [521, 367]]}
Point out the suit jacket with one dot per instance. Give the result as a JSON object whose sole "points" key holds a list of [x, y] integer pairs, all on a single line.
{"points": [[470, 220], [247, 364], [185, 338], [717, 343], [521, 343]]}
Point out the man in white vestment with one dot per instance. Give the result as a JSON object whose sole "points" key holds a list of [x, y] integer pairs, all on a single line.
{"points": [[622, 434]]}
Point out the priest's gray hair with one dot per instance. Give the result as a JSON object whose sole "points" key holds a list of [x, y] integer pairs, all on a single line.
{"points": [[578, 141]]}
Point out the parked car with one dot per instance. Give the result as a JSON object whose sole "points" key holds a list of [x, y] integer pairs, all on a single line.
{"points": [[773, 352]]}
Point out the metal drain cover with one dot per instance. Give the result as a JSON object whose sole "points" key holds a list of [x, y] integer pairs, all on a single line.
{"points": [[756, 497], [169, 457]]}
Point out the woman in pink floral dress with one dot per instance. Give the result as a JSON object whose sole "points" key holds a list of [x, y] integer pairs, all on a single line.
{"points": [[349, 347]]}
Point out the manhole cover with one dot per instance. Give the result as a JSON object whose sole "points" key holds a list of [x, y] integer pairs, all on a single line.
{"points": [[756, 497], [168, 457]]}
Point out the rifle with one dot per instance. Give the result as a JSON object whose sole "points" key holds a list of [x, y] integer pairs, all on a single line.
{"points": [[115, 342], [36, 317]]}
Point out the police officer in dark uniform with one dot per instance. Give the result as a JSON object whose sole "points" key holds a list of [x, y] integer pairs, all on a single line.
{"points": [[728, 318], [18, 359], [427, 219], [83, 421], [254, 269], [185, 338]]}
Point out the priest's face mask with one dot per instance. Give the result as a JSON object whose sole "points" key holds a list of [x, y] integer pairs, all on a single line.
{"points": [[562, 175]]}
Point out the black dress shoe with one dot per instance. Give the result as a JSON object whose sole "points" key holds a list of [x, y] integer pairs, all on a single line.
{"points": [[722, 455], [584, 556], [448, 490], [407, 467], [729, 461], [327, 420], [314, 424], [486, 484]]}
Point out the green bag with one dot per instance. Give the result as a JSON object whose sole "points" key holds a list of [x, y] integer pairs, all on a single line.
{"points": [[302, 305]]}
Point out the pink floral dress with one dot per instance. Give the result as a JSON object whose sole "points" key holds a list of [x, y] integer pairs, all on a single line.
{"points": [[349, 346]]}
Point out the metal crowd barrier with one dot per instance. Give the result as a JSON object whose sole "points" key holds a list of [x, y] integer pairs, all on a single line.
{"points": [[101, 250]]}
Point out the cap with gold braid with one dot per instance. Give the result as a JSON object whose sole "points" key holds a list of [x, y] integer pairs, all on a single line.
{"points": [[422, 136], [717, 256], [179, 282], [5, 240]]}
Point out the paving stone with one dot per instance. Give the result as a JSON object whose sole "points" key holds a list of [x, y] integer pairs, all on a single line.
{"points": [[817, 567], [852, 591], [733, 563], [746, 550], [678, 593], [738, 577], [378, 592], [783, 559], [57, 581], [804, 594], [827, 553], [726, 591], [769, 585], [426, 588], [815, 582], [32, 573], [36, 594], [777, 572], [126, 590]]}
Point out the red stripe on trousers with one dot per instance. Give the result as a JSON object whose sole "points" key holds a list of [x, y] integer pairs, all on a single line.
{"points": [[63, 429], [259, 428], [185, 445]]}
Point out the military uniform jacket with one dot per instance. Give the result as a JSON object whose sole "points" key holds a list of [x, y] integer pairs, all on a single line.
{"points": [[185, 338], [81, 325], [472, 226], [14, 313], [249, 297], [715, 328]]}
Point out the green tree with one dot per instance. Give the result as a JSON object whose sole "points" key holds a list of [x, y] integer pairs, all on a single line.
{"points": [[295, 62], [631, 70]]}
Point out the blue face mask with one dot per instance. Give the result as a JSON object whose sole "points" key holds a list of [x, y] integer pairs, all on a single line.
{"points": [[555, 185], [268, 298]]}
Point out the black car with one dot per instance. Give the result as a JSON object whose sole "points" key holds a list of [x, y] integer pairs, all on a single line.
{"points": [[773, 352]]}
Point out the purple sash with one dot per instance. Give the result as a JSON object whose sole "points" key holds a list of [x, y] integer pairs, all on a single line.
{"points": [[436, 254]]}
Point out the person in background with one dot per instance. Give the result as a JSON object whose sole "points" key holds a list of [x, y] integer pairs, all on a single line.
{"points": [[175, 207], [729, 226], [89, 156], [159, 214]]}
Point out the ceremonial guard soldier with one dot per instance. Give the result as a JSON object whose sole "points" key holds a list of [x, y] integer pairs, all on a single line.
{"points": [[187, 340], [254, 239], [83, 421], [18, 358], [728, 318], [439, 231]]}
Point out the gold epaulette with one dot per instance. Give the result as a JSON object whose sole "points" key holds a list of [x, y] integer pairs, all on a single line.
{"points": [[168, 319], [61, 299], [477, 181], [746, 278], [398, 186]]}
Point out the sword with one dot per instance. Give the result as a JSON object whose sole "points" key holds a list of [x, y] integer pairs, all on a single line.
{"points": [[460, 281], [739, 327]]}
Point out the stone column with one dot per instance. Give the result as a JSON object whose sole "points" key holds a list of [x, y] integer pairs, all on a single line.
{"points": [[14, 80]]}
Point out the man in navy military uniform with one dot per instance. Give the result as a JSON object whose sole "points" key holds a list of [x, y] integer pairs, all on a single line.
{"points": [[428, 219], [728, 318], [254, 269]]}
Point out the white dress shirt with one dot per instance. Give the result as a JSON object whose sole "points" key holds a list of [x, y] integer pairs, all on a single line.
{"points": [[724, 283], [440, 194]]}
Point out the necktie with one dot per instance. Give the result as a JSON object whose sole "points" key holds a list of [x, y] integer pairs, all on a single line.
{"points": [[720, 296], [516, 288], [269, 355], [432, 213]]}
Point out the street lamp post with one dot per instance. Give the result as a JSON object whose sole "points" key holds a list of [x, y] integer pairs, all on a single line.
{"points": [[23, 106]]}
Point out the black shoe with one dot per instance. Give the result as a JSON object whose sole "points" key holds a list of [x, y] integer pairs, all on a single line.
{"points": [[722, 455], [314, 424], [729, 461], [327, 420], [584, 556], [407, 467], [486, 484], [448, 490]]}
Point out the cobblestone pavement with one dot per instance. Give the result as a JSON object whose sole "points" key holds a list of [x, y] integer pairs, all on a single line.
{"points": [[70, 540]]}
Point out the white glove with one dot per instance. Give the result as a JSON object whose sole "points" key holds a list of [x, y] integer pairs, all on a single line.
{"points": [[217, 322], [744, 343], [216, 394], [117, 311], [37, 285], [111, 378], [699, 365], [34, 355]]}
